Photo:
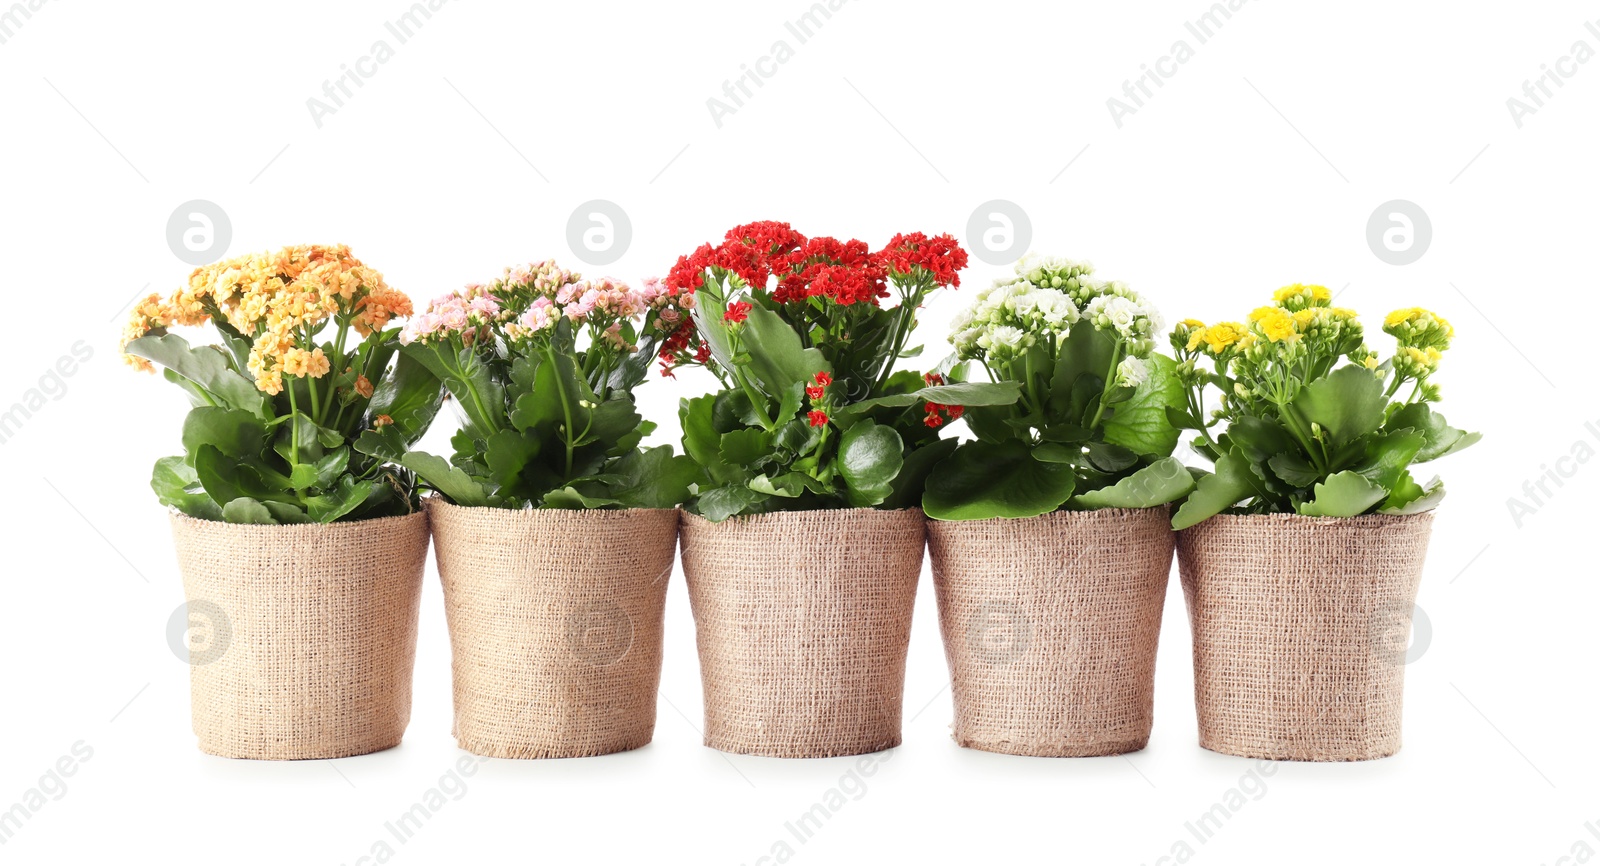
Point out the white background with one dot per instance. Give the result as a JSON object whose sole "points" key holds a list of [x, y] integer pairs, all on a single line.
{"points": [[1257, 164]]}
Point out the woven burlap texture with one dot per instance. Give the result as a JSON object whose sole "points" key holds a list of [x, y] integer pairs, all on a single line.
{"points": [[803, 619], [1050, 627], [555, 626], [1293, 621], [317, 634]]}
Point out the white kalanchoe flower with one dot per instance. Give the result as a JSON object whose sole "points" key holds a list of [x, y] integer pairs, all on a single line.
{"points": [[1132, 372], [1057, 311]]}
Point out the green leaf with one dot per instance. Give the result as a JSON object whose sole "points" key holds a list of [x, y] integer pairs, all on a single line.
{"points": [[246, 510], [1217, 492], [410, 394], [1258, 439], [570, 498], [777, 357], [912, 481], [348, 495], [1085, 351], [448, 480], [283, 512], [1441, 439], [1141, 424], [468, 378], [1411, 498], [790, 485], [509, 454], [1106, 457], [870, 456], [385, 443], [234, 432], [744, 447], [653, 478], [1163, 481], [1347, 403], [1344, 494], [176, 486], [1059, 452], [954, 394], [209, 368], [700, 438], [1388, 455], [302, 476], [721, 503], [1293, 468], [982, 480], [226, 478]]}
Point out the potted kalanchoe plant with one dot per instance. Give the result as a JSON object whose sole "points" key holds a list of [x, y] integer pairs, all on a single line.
{"points": [[803, 545], [309, 549], [1312, 529], [553, 656], [1050, 540]]}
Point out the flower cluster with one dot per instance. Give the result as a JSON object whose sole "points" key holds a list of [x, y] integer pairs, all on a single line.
{"points": [[281, 300], [528, 300], [1045, 298]]}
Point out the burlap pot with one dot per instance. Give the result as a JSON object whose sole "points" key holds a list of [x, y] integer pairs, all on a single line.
{"points": [[1050, 626], [803, 619], [312, 634], [1293, 620], [555, 626]]}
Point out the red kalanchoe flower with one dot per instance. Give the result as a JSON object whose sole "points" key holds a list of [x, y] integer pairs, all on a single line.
{"points": [[933, 419], [817, 419], [814, 392], [770, 238], [824, 379], [737, 312], [941, 258], [844, 271]]}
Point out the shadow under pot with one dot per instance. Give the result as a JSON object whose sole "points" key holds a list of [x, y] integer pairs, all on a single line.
{"points": [[1299, 638], [310, 634], [1050, 628], [803, 619], [555, 623]]}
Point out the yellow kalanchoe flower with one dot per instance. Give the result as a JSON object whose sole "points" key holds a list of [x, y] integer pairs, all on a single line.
{"points": [[1275, 323], [1218, 337], [1299, 297]]}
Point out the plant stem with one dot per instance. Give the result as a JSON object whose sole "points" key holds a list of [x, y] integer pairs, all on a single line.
{"points": [[294, 428], [566, 408]]}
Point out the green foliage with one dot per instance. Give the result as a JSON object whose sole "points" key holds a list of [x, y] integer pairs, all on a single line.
{"points": [[252, 458], [1074, 437], [547, 426]]}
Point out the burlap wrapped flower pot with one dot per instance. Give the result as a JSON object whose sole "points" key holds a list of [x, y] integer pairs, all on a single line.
{"points": [[1050, 627], [1294, 656], [555, 626], [312, 634], [803, 619]]}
